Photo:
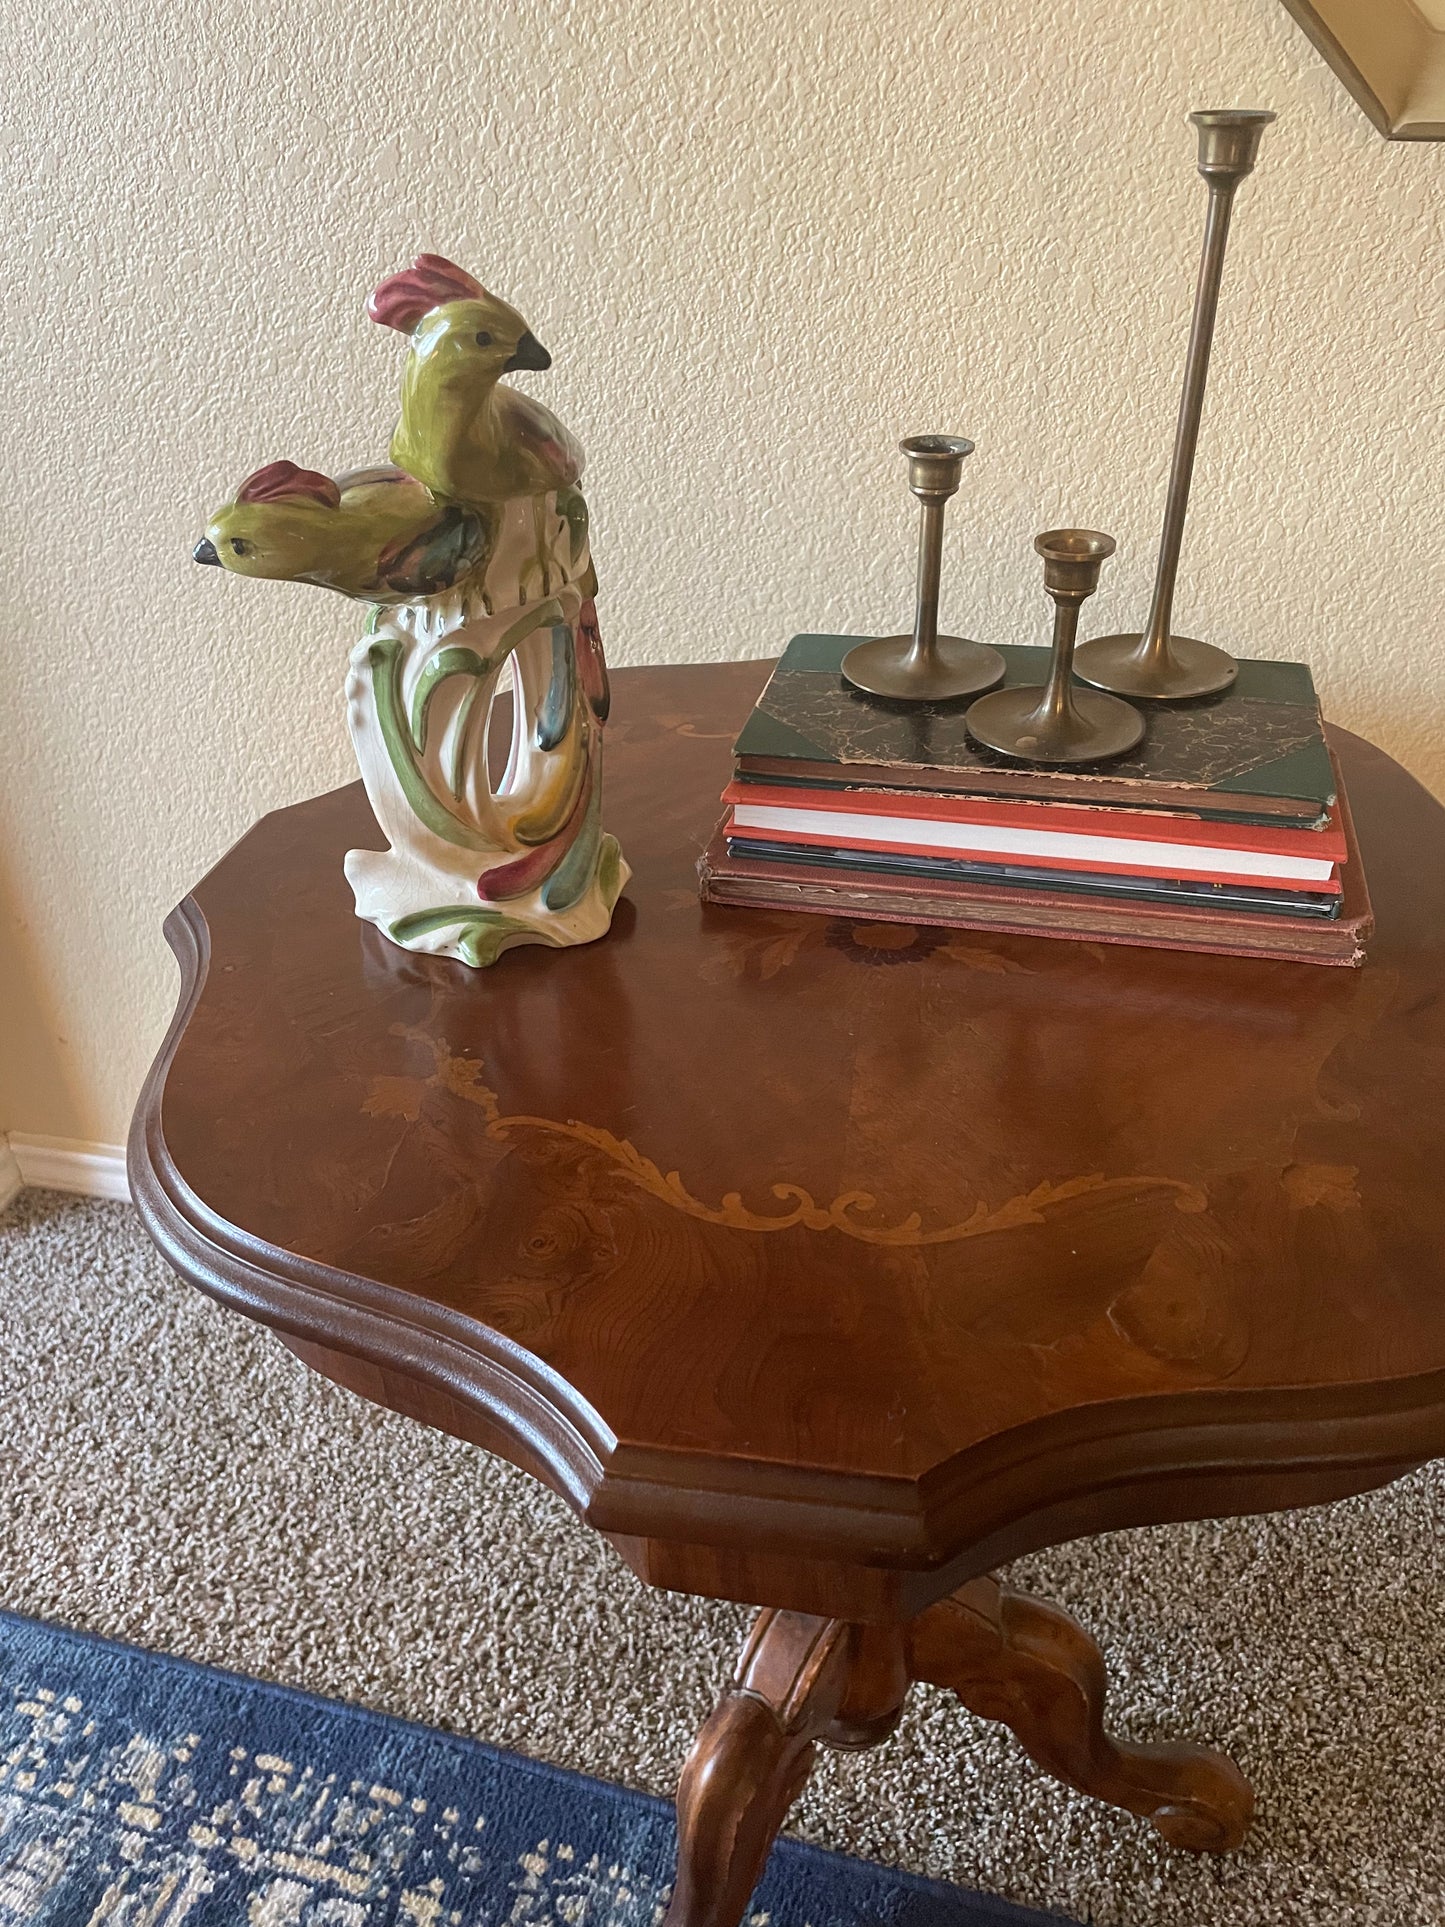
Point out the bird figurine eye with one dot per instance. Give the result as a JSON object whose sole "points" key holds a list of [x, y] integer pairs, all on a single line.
{"points": [[484, 340], [238, 547]]}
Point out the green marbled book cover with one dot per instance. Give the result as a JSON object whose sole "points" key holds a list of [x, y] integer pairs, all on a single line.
{"points": [[1258, 748]]}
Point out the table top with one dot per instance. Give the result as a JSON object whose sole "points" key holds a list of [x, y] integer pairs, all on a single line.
{"points": [[822, 1262]]}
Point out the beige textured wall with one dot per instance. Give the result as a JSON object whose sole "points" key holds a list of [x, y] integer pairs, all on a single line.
{"points": [[761, 241]]}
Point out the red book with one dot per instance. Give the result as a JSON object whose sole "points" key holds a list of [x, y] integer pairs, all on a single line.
{"points": [[1040, 835], [1178, 863], [748, 882]]}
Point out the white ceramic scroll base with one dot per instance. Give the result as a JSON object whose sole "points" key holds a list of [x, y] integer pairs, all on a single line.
{"points": [[482, 862], [392, 889]]}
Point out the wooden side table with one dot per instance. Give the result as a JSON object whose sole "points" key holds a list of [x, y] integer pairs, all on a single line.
{"points": [[826, 1266]]}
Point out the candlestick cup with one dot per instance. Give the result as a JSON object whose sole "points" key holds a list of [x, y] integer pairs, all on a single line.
{"points": [[1059, 723], [927, 667]]}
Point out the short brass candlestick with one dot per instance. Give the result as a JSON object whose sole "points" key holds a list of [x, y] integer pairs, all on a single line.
{"points": [[1058, 723], [1159, 664], [927, 667]]}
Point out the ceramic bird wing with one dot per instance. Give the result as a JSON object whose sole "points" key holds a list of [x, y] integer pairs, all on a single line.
{"points": [[373, 533], [536, 430]]}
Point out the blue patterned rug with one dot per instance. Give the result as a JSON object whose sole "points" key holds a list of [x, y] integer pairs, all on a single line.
{"points": [[147, 1792]]}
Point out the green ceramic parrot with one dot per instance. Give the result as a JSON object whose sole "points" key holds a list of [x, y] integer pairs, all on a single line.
{"points": [[462, 432], [376, 533]]}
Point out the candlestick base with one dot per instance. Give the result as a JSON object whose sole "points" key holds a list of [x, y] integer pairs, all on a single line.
{"points": [[958, 668], [1186, 668], [1090, 729]]}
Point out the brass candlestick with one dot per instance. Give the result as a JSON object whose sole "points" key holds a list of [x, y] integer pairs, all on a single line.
{"points": [[1058, 723], [927, 667], [1158, 664]]}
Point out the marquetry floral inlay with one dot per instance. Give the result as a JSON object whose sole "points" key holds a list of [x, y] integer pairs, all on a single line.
{"points": [[849, 1213], [1332, 1185], [769, 942]]}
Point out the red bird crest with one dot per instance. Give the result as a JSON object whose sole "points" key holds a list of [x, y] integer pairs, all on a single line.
{"points": [[402, 299], [278, 480]]}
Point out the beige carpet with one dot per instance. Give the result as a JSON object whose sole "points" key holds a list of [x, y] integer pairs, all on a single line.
{"points": [[171, 1476]]}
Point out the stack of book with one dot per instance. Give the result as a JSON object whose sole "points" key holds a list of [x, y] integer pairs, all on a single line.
{"points": [[1226, 830]]}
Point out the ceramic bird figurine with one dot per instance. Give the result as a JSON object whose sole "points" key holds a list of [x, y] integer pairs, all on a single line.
{"points": [[375, 533], [462, 430], [474, 550]]}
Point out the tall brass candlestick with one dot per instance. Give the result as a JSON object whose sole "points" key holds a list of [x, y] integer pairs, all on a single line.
{"points": [[1159, 664], [927, 667]]}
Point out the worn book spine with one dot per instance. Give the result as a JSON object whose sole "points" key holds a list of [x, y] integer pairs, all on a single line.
{"points": [[749, 772], [1043, 785], [1069, 819], [882, 836], [1016, 913], [858, 851], [754, 884]]}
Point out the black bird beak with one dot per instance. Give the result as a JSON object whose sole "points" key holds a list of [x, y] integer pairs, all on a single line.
{"points": [[205, 551], [528, 353]]}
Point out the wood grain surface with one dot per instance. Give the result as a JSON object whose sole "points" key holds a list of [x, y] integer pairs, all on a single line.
{"points": [[824, 1265]]}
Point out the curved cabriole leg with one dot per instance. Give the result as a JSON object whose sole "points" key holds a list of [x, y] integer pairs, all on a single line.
{"points": [[1009, 1658], [800, 1680], [1030, 1666]]}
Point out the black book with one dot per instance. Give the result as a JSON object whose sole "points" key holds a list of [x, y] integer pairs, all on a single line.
{"points": [[1265, 901]]}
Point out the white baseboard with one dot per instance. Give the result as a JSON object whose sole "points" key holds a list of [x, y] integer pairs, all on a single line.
{"points": [[10, 1178], [65, 1164]]}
